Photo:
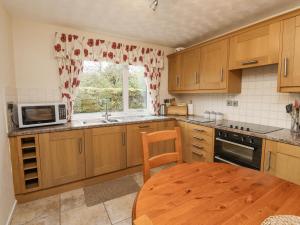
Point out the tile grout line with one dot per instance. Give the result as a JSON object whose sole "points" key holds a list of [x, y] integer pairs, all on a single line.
{"points": [[107, 213]]}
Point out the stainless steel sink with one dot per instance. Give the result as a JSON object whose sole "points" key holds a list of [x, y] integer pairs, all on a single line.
{"points": [[100, 121]]}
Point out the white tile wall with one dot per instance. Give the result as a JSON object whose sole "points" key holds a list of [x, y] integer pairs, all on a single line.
{"points": [[35, 95], [259, 101]]}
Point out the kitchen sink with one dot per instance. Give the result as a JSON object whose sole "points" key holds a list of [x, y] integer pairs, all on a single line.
{"points": [[100, 121]]}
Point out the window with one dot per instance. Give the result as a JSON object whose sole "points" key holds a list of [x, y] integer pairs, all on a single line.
{"points": [[122, 86]]}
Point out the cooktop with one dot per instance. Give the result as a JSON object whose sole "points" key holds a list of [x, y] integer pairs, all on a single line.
{"points": [[251, 127]]}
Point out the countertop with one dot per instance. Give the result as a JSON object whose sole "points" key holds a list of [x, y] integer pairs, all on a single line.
{"points": [[284, 135]]}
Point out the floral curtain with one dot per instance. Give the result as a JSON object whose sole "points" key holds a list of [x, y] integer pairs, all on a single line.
{"points": [[70, 51]]}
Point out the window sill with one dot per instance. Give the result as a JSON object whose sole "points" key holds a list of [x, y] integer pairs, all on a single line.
{"points": [[97, 115]]}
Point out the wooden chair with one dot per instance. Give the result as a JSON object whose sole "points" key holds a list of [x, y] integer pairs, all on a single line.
{"points": [[158, 160]]}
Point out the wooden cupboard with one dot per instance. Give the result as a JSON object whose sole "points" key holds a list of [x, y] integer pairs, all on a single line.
{"points": [[189, 79], [165, 146], [62, 156], [213, 65], [105, 150], [134, 142], [282, 160], [289, 67], [255, 47], [186, 151], [174, 67]]}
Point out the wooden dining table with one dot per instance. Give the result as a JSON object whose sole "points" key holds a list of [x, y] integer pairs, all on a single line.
{"points": [[215, 193]]}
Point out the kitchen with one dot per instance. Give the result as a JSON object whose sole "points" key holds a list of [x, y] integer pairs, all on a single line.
{"points": [[237, 79]]}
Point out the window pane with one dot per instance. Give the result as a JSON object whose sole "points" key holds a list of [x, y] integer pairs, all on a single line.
{"points": [[137, 88], [99, 81]]}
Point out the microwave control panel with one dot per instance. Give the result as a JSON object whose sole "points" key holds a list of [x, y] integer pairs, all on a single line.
{"points": [[62, 112]]}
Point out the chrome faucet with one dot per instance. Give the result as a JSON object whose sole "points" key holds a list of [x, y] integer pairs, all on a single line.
{"points": [[106, 115]]}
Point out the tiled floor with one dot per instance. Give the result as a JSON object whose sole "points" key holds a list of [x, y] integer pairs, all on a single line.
{"points": [[69, 208]]}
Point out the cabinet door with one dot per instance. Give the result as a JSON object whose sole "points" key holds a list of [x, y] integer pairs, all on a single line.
{"points": [[165, 146], [189, 79], [288, 162], [270, 157], [213, 65], [186, 150], [134, 142], [255, 47], [174, 67], [105, 150], [289, 64], [62, 157]]}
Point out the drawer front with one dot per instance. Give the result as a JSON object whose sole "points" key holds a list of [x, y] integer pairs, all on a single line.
{"points": [[200, 130]]}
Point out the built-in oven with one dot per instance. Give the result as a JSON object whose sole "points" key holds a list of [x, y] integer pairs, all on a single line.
{"points": [[238, 149]]}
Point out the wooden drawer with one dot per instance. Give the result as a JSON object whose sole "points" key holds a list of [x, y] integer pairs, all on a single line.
{"points": [[200, 138], [200, 130], [166, 125]]}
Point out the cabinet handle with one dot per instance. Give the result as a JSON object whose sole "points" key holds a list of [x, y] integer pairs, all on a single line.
{"points": [[198, 153], [269, 161], [196, 77], [145, 126], [123, 138], [285, 65], [80, 146], [250, 62], [222, 74], [199, 130], [177, 81], [200, 139], [196, 146]]}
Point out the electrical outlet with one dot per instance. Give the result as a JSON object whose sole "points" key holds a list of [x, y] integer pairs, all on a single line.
{"points": [[10, 106], [229, 102], [235, 103]]}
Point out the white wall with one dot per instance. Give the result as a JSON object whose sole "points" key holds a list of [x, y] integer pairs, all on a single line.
{"points": [[259, 101], [7, 93], [35, 67]]}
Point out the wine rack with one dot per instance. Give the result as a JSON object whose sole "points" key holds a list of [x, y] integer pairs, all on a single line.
{"points": [[29, 160]]}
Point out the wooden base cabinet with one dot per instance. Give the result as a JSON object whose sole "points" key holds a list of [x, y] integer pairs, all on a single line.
{"points": [[62, 157], [165, 146], [282, 160], [105, 150], [134, 142], [186, 150]]}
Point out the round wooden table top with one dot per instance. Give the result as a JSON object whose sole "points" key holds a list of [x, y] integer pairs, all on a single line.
{"points": [[215, 193]]}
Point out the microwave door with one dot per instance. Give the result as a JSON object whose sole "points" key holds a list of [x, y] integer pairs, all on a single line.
{"points": [[38, 114]]}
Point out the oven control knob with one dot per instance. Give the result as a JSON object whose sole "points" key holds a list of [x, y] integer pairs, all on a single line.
{"points": [[236, 127], [242, 139], [248, 129], [225, 135], [219, 133], [242, 128], [251, 141], [231, 126]]}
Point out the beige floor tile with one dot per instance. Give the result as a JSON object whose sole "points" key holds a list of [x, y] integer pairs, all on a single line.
{"points": [[125, 222], [138, 177], [94, 215], [72, 199], [51, 220], [120, 208], [46, 207]]}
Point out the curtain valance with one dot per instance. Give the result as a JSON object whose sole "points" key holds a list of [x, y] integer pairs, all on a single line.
{"points": [[74, 47]]}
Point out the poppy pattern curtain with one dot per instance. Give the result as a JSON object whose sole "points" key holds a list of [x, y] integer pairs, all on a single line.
{"points": [[71, 50]]}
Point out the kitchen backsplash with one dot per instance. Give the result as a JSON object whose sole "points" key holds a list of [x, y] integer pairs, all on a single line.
{"points": [[259, 102]]}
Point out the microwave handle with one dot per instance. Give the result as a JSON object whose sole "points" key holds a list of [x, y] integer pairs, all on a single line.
{"points": [[233, 143]]}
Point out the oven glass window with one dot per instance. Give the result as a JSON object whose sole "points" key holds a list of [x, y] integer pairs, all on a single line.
{"points": [[237, 151], [38, 114]]}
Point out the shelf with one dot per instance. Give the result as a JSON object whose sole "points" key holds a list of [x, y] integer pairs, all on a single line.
{"points": [[30, 155], [31, 176], [28, 166], [28, 145], [32, 185]]}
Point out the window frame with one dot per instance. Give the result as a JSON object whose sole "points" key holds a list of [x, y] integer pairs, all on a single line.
{"points": [[125, 97]]}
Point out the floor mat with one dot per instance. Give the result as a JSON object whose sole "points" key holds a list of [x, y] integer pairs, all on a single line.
{"points": [[108, 190]]}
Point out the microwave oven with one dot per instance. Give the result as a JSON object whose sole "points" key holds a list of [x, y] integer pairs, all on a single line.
{"points": [[34, 115]]}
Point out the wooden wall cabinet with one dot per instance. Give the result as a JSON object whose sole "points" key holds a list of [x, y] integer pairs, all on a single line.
{"points": [[189, 79], [174, 68], [134, 142], [62, 157], [255, 47], [283, 160], [289, 66], [213, 65], [105, 150]]}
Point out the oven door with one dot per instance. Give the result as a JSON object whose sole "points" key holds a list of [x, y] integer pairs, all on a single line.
{"points": [[237, 154], [36, 115]]}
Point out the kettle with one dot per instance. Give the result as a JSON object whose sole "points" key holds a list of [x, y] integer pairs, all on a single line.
{"points": [[163, 110]]}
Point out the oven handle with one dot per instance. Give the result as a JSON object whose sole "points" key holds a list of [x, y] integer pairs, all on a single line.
{"points": [[226, 161], [230, 142]]}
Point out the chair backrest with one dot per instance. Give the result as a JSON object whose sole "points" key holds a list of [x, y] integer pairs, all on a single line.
{"points": [[158, 160]]}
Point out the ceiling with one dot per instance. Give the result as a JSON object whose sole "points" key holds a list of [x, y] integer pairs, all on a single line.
{"points": [[175, 22]]}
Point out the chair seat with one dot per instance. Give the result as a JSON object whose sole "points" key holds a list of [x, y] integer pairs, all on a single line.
{"points": [[282, 220]]}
